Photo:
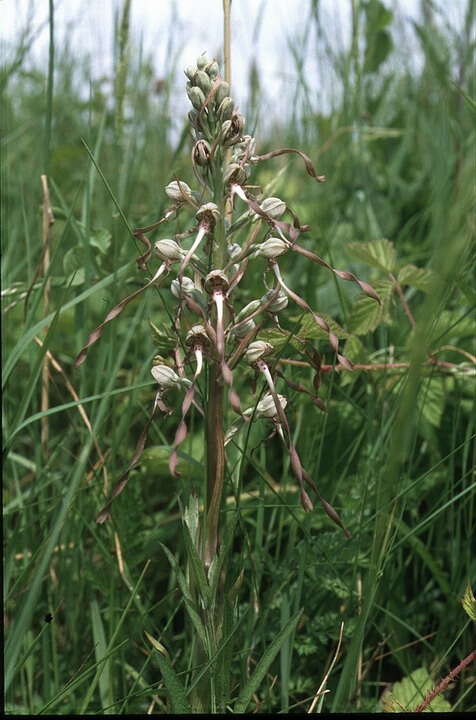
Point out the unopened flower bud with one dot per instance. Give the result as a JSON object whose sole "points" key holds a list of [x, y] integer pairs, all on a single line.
{"points": [[201, 153], [178, 190], [190, 71], [168, 249], [202, 61], [165, 376], [212, 69], [278, 304], [274, 207], [234, 173], [243, 328], [267, 407], [225, 110], [202, 81], [196, 97], [209, 213], [222, 92], [257, 349], [248, 309], [271, 248], [186, 287]]}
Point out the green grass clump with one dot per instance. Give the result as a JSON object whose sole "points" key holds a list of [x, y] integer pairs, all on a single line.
{"points": [[394, 453]]}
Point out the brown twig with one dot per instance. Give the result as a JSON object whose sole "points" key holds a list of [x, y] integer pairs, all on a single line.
{"points": [[443, 684], [403, 301], [448, 366]]}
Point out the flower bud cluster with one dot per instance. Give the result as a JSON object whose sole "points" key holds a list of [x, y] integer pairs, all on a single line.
{"points": [[213, 115]]}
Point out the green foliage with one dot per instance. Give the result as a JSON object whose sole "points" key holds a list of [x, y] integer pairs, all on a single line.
{"points": [[409, 692], [396, 142]]}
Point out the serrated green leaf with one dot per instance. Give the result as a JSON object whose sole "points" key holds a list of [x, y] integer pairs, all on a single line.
{"points": [[354, 349], [177, 694], [407, 694], [366, 314], [420, 278], [380, 254], [454, 324], [309, 330], [431, 400], [263, 664], [469, 602]]}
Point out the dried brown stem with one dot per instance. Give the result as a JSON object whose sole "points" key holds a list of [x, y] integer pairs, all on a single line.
{"points": [[442, 365], [443, 684], [403, 301]]}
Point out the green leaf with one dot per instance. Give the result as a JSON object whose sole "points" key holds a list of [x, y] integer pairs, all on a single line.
{"points": [[100, 649], [177, 694], [379, 254], [366, 314], [263, 665], [469, 602], [187, 597], [420, 278], [309, 330], [410, 692], [196, 566], [431, 400], [101, 239]]}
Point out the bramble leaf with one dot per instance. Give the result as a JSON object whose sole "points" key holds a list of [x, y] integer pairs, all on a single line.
{"points": [[380, 254]]}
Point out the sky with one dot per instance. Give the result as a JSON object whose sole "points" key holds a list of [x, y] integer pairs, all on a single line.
{"points": [[87, 26]]}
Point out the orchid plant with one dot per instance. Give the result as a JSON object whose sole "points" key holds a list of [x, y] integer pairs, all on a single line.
{"points": [[232, 225]]}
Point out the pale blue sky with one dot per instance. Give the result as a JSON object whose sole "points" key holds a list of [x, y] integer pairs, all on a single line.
{"points": [[87, 25]]}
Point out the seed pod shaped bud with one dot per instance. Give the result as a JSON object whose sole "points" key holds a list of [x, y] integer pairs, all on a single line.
{"points": [[190, 71], [271, 248], [208, 213], [225, 110], [216, 280], [193, 118], [202, 81], [202, 61], [168, 249], [267, 407], [278, 304], [186, 287], [234, 173], [256, 350], [274, 207], [248, 309], [165, 376], [197, 333], [244, 328], [212, 69], [233, 250], [201, 153], [178, 190], [222, 92], [196, 97]]}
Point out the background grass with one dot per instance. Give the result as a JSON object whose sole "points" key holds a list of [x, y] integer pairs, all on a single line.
{"points": [[394, 453]]}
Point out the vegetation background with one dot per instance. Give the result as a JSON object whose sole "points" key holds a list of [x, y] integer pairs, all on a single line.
{"points": [[394, 453]]}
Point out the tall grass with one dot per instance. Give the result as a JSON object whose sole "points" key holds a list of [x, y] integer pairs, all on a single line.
{"points": [[394, 453]]}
